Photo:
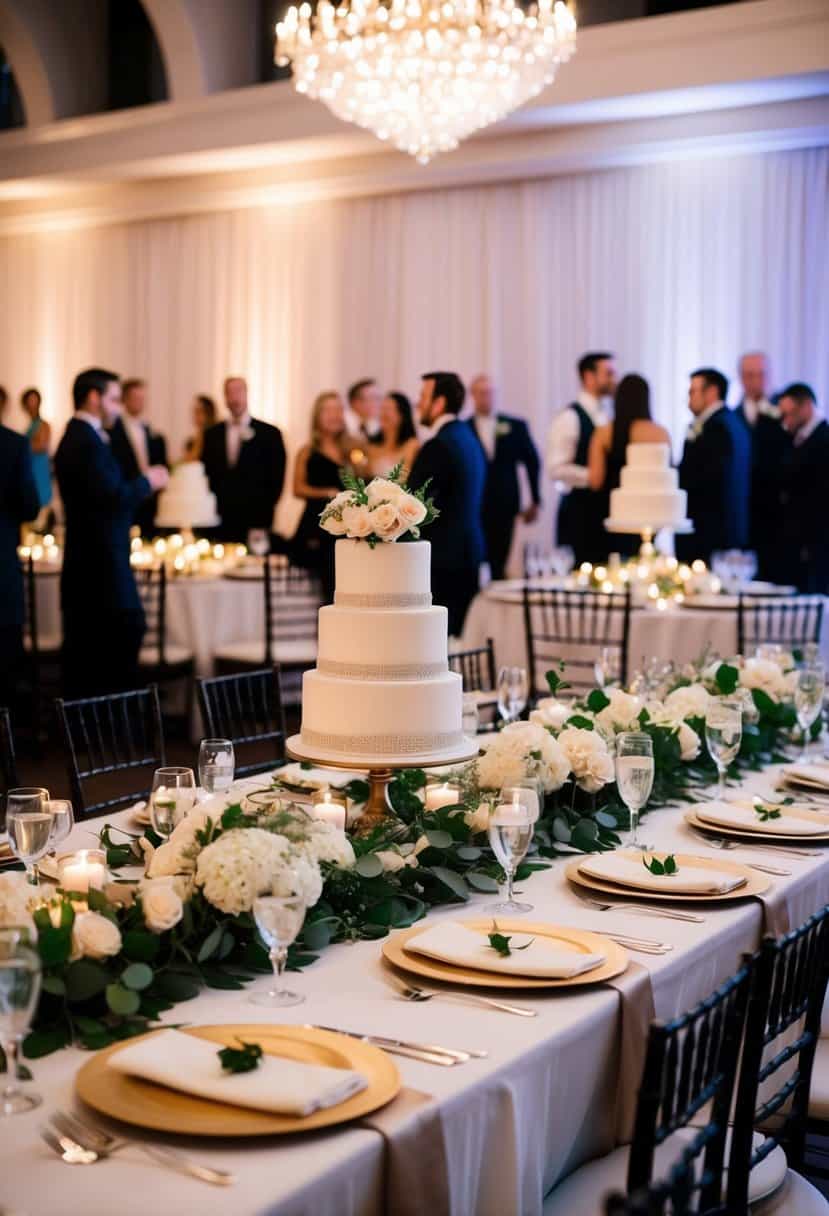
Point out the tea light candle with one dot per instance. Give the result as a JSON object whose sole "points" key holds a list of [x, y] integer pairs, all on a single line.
{"points": [[511, 813], [219, 552], [330, 809], [440, 795], [82, 870]]}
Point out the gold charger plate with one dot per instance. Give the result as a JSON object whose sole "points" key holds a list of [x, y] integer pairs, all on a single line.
{"points": [[755, 882], [616, 958], [133, 1100], [715, 829]]}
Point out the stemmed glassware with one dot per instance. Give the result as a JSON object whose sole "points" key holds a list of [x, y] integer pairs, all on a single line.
{"points": [[279, 919], [63, 820], [19, 992], [29, 825], [723, 735], [634, 776], [513, 691], [471, 720], [808, 701], [172, 797], [259, 542], [216, 765], [562, 560], [606, 666], [511, 826]]}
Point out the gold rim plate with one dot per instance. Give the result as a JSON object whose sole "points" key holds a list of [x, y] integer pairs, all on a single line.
{"points": [[715, 829], [616, 958], [145, 1104], [755, 882]]}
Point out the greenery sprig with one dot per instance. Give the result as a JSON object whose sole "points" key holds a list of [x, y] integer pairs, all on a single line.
{"points": [[244, 1058], [668, 867], [501, 943], [765, 813]]}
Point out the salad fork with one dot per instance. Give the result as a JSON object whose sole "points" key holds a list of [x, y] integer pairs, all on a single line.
{"points": [[411, 992], [641, 909]]}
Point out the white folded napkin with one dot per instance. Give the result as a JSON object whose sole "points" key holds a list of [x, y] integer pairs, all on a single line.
{"points": [[809, 774], [278, 1085], [463, 947], [689, 881], [746, 819], [314, 778]]}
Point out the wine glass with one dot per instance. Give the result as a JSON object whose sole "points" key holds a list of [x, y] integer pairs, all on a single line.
{"points": [[29, 825], [808, 701], [172, 797], [216, 765], [513, 690], [63, 820], [605, 667], [278, 918], [562, 560], [259, 542], [19, 992], [723, 736], [510, 832], [471, 718], [634, 776]]}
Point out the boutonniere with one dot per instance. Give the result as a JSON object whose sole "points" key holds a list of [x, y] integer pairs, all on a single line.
{"points": [[692, 433], [502, 428], [769, 410]]}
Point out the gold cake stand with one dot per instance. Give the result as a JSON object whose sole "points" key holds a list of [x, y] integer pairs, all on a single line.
{"points": [[647, 532], [379, 811]]}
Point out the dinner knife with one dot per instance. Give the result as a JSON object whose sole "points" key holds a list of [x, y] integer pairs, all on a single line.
{"points": [[416, 1051]]}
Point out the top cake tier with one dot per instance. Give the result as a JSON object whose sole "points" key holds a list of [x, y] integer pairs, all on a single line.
{"points": [[388, 576], [648, 455]]}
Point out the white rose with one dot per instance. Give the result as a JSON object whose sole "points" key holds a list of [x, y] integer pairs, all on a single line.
{"points": [[689, 742], [588, 757], [345, 498], [764, 675], [382, 490], [411, 510], [390, 860], [477, 820], [421, 843], [690, 701], [386, 522], [551, 712], [622, 713], [334, 525], [357, 521], [94, 936], [161, 903]]}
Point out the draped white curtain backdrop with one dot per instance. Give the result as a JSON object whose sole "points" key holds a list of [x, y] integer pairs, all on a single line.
{"points": [[670, 266]]}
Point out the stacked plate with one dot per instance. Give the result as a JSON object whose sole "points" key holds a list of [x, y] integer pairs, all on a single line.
{"points": [[760, 821], [624, 872]]}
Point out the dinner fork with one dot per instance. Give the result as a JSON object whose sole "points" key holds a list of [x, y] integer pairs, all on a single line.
{"points": [[92, 1143], [717, 842], [641, 909], [413, 993], [782, 849]]}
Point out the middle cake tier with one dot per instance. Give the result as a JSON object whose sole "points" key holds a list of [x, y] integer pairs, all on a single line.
{"points": [[380, 644]]}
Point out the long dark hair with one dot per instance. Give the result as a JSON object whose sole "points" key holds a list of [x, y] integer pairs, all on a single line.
{"points": [[405, 426], [632, 403]]}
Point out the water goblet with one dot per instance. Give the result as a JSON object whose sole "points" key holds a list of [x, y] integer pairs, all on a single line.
{"points": [[259, 542], [513, 691], [29, 825], [723, 736], [605, 666], [808, 702], [172, 797], [511, 825], [562, 559], [63, 820], [19, 991], [216, 765], [634, 776], [471, 719], [279, 919]]}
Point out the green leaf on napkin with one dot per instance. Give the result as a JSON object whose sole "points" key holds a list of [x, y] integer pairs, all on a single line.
{"points": [[765, 813], [501, 944], [667, 867], [244, 1058]]}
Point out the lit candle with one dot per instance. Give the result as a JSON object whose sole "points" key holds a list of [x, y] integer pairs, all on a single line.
{"points": [[160, 546], [511, 813], [82, 870], [698, 566], [203, 546], [48, 540], [440, 795], [23, 552], [330, 810], [178, 562], [177, 541], [218, 552]]}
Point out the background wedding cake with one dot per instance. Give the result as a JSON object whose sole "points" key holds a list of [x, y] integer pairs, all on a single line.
{"points": [[648, 495], [187, 502]]}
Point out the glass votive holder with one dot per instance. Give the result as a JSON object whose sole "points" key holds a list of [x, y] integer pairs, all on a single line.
{"points": [[82, 870], [439, 794], [330, 806]]}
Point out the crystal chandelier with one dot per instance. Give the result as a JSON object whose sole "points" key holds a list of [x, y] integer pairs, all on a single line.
{"points": [[424, 74]]}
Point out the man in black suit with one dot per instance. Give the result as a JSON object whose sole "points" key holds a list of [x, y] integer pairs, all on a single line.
{"points": [[103, 620], [136, 446], [761, 420], [715, 471], [454, 465], [505, 442], [801, 533], [245, 464], [19, 501]]}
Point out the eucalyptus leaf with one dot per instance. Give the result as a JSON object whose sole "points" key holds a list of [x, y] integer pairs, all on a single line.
{"points": [[439, 839], [369, 866], [456, 884], [561, 830], [121, 1000], [481, 882], [137, 976], [210, 944], [85, 979], [468, 852]]}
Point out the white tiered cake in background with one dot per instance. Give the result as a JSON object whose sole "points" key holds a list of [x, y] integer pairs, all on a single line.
{"points": [[382, 692], [648, 496], [187, 502]]}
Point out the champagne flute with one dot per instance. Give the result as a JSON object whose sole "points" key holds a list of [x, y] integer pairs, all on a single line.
{"points": [[63, 820], [808, 702], [513, 691], [605, 666], [511, 826], [723, 736], [172, 797], [216, 765], [29, 825], [471, 719], [634, 776], [279, 919], [259, 542], [19, 992]]}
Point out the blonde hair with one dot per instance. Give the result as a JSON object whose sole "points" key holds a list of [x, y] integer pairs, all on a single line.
{"points": [[316, 410]]}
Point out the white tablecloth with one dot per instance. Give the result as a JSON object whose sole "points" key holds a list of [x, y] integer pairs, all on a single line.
{"points": [[541, 1104]]}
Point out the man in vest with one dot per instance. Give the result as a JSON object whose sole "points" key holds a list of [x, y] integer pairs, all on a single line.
{"points": [[579, 524]]}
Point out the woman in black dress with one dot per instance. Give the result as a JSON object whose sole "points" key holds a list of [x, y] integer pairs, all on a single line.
{"points": [[317, 480]]}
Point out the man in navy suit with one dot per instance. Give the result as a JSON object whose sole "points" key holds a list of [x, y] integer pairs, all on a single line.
{"points": [[769, 443], [136, 446], [505, 443], [103, 620], [19, 501], [245, 464], [801, 535], [453, 463], [715, 471]]}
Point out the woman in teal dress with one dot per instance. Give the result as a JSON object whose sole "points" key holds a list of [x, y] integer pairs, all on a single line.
{"points": [[39, 434]]}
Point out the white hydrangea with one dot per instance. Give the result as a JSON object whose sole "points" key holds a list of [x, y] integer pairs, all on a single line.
{"points": [[234, 869], [622, 713], [551, 712], [690, 701], [298, 874], [15, 902], [765, 675], [178, 854], [588, 757], [323, 842], [522, 749]]}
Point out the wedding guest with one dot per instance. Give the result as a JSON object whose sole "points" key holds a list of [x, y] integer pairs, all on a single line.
{"points": [[317, 480], [39, 434], [632, 423], [19, 501], [802, 536], [579, 513], [761, 420], [136, 446], [453, 463], [204, 415], [245, 463], [363, 413], [103, 620], [506, 443], [715, 470], [397, 442]]}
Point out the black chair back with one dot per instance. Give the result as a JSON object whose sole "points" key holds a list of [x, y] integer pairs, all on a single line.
{"points": [[31, 636], [476, 667], [292, 601], [573, 626], [791, 621], [152, 587], [8, 762], [111, 744], [247, 709]]}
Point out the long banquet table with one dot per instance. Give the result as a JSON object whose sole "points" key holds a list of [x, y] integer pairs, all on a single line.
{"points": [[513, 1124]]}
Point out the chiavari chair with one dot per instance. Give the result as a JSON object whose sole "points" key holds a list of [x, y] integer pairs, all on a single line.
{"points": [[573, 626], [246, 707], [791, 621], [112, 745], [8, 761], [477, 669], [41, 650], [160, 661]]}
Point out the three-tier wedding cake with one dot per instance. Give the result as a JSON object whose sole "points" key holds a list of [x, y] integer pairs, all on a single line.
{"points": [[648, 496], [187, 502]]}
